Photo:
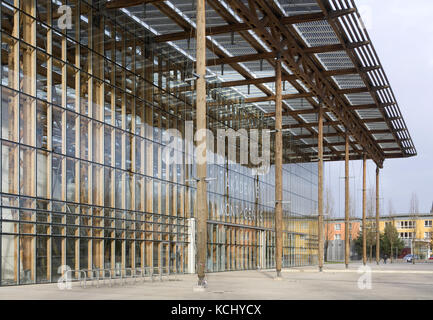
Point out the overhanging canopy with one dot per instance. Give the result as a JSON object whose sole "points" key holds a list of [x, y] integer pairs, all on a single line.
{"points": [[327, 58]]}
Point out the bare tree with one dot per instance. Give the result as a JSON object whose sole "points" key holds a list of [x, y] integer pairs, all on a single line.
{"points": [[391, 213], [352, 207], [391, 209], [329, 214], [413, 211], [414, 204], [371, 222]]}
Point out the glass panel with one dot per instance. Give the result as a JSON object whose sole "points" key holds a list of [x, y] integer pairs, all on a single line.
{"points": [[9, 259]]}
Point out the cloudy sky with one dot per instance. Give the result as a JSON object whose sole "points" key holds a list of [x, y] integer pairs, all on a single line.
{"points": [[402, 33]]}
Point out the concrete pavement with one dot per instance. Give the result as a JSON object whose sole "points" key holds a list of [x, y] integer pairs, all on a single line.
{"points": [[391, 281]]}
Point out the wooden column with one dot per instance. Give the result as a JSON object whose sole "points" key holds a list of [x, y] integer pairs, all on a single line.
{"points": [[149, 158], [201, 204], [50, 139], [377, 217], [27, 109], [13, 122], [90, 142], [112, 172], [77, 18], [320, 188], [98, 111], [278, 169], [347, 206], [364, 207]]}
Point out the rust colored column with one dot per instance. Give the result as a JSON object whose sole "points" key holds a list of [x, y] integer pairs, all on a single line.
{"points": [[377, 217], [201, 204], [320, 188], [364, 207], [347, 206], [278, 169]]}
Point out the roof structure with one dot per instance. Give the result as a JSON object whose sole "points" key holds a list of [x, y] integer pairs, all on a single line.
{"points": [[327, 58]]}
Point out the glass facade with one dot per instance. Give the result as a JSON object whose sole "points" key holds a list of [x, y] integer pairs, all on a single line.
{"points": [[83, 112]]}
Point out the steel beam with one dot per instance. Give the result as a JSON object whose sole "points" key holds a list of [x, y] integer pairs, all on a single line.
{"points": [[238, 27], [336, 25], [313, 111], [238, 83], [284, 97], [301, 65], [229, 17], [268, 55], [118, 4]]}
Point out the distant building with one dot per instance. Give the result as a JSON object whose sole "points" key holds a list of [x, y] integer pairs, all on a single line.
{"points": [[335, 236], [336, 229], [415, 230]]}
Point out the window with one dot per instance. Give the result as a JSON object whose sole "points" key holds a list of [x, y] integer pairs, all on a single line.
{"points": [[337, 237], [406, 235], [427, 235], [428, 223], [407, 224], [338, 227]]}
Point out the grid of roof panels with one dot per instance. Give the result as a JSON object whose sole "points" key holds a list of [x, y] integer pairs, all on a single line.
{"points": [[372, 102]]}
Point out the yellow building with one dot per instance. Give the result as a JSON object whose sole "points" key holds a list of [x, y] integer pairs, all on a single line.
{"points": [[415, 230]]}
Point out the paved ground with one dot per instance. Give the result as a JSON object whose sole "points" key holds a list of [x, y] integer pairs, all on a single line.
{"points": [[391, 281]]}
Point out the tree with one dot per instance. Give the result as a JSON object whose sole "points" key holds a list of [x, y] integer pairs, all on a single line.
{"points": [[431, 241], [389, 240], [413, 211], [358, 243]]}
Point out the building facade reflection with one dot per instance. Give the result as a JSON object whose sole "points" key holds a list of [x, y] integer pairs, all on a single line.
{"points": [[83, 111]]}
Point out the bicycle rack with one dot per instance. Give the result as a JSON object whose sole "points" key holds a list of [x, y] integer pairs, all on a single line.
{"points": [[141, 273], [109, 278], [94, 280], [81, 279], [154, 274], [102, 277], [126, 277], [166, 274]]}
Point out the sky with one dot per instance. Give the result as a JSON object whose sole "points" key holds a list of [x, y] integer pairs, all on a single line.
{"points": [[402, 33]]}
